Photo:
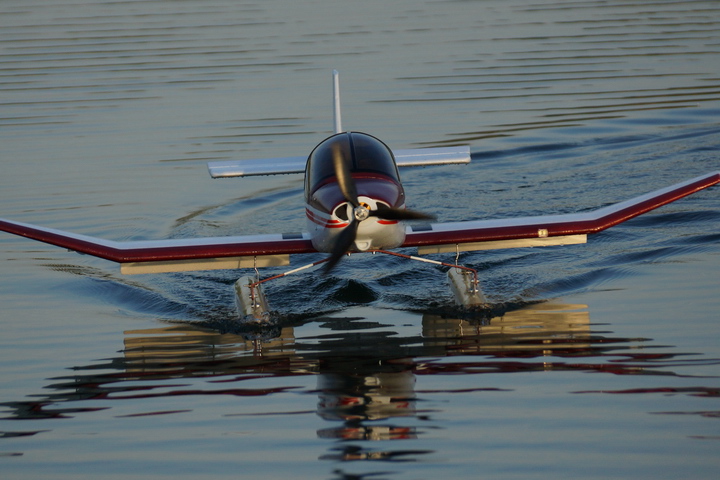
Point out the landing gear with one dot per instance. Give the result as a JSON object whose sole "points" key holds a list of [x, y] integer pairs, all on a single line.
{"points": [[250, 299], [253, 307]]}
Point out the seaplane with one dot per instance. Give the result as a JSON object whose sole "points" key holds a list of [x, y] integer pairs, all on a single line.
{"points": [[354, 202]]}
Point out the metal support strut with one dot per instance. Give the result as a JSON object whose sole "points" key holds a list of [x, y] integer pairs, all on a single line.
{"points": [[256, 284], [250, 299], [466, 290], [464, 283], [475, 281]]}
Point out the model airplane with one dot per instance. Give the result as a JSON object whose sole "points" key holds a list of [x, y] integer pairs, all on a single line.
{"points": [[355, 202]]}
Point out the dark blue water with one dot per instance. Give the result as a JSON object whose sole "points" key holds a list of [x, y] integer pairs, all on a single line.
{"points": [[595, 361]]}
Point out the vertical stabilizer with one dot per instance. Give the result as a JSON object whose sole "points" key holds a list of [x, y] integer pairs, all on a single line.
{"points": [[336, 102]]}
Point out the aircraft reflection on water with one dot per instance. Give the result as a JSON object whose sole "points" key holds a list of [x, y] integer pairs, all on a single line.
{"points": [[366, 373]]}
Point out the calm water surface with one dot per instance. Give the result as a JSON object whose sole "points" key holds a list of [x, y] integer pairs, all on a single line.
{"points": [[598, 360]]}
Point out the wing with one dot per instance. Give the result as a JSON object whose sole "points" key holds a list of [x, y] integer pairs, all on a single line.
{"points": [[154, 256], [276, 166], [544, 230]]}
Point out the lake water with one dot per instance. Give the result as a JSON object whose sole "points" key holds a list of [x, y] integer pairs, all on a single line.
{"points": [[598, 361]]}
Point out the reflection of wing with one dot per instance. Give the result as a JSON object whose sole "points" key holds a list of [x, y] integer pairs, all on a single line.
{"points": [[178, 255], [538, 329], [544, 230], [274, 166]]}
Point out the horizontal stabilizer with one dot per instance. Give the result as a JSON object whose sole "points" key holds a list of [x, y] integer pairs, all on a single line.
{"points": [[258, 166], [416, 157], [420, 157]]}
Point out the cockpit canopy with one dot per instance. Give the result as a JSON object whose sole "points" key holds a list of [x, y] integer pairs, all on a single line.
{"points": [[364, 153]]}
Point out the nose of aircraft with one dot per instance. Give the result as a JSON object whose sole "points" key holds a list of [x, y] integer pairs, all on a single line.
{"points": [[343, 157]]}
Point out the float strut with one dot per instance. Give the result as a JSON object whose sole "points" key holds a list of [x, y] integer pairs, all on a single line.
{"points": [[466, 290], [289, 272], [475, 281]]}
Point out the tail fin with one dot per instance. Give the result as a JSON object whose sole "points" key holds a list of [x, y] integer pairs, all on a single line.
{"points": [[336, 102]]}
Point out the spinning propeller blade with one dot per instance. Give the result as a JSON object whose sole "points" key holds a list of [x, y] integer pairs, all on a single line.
{"points": [[344, 177], [343, 244]]}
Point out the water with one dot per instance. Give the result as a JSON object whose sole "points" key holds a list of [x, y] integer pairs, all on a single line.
{"points": [[601, 360]]}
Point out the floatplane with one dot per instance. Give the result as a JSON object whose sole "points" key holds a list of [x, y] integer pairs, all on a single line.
{"points": [[354, 202]]}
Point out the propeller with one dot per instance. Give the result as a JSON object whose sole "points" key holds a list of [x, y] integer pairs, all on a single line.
{"points": [[346, 183]]}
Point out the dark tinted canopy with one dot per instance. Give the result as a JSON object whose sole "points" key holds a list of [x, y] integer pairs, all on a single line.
{"points": [[363, 152]]}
